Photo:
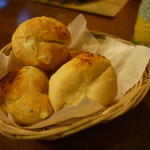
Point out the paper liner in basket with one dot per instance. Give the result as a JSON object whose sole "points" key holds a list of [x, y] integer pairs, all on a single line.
{"points": [[129, 62]]}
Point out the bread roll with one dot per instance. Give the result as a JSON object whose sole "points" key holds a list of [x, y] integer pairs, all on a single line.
{"points": [[87, 75], [41, 42], [24, 95], [74, 53]]}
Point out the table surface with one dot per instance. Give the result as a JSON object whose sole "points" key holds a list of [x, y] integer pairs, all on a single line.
{"points": [[131, 131]]}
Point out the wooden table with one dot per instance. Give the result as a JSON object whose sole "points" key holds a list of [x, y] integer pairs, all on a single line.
{"points": [[131, 131]]}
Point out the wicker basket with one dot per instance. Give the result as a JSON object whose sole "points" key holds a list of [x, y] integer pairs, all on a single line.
{"points": [[128, 101]]}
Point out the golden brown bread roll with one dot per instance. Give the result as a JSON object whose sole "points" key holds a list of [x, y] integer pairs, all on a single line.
{"points": [[41, 42], [74, 53], [24, 95], [89, 75]]}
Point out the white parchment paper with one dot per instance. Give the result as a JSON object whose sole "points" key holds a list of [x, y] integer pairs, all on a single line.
{"points": [[129, 62]]}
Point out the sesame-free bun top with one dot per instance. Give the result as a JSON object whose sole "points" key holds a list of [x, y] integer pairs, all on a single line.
{"points": [[41, 42], [86, 75], [24, 94]]}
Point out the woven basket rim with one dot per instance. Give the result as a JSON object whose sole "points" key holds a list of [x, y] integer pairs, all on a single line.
{"points": [[128, 101]]}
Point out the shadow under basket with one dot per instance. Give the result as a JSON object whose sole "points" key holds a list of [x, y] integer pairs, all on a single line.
{"points": [[128, 101]]}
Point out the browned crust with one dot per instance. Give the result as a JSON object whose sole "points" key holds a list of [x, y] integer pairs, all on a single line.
{"points": [[89, 58]]}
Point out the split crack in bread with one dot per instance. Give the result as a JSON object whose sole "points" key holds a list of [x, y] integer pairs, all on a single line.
{"points": [[41, 42], [86, 75], [24, 94]]}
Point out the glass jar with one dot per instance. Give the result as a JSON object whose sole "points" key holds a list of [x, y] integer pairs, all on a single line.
{"points": [[142, 26]]}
